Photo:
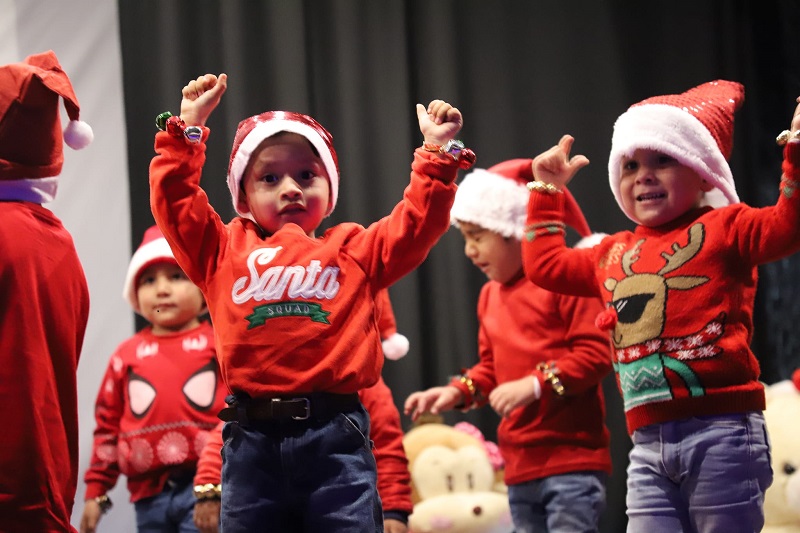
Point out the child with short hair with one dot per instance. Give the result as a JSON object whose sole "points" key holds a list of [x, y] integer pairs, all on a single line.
{"points": [[159, 397], [541, 364], [679, 291], [294, 313], [44, 299]]}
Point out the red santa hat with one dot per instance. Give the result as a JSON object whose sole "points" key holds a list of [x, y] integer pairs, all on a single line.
{"points": [[695, 127], [395, 345], [497, 199], [154, 249], [30, 124], [252, 131]]}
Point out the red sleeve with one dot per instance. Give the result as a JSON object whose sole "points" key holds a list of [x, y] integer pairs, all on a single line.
{"points": [[103, 471], [209, 465], [181, 208], [482, 374], [394, 479], [547, 260], [590, 352]]}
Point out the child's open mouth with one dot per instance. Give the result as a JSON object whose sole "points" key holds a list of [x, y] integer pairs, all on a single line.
{"points": [[650, 196]]}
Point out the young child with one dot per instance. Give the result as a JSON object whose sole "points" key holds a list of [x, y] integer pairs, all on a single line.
{"points": [[158, 399], [294, 314], [541, 363], [394, 479], [44, 300], [679, 291]]}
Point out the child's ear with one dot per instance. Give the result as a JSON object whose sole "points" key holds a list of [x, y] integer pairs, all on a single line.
{"points": [[705, 186]]}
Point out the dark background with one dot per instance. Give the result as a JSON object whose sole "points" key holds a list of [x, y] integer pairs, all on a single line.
{"points": [[522, 73]]}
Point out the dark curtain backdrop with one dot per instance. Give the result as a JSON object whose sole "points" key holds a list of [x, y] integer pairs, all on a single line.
{"points": [[523, 73]]}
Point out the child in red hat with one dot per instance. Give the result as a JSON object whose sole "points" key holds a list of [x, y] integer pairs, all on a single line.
{"points": [[44, 300], [394, 479], [294, 313], [541, 363], [679, 291], [159, 397]]}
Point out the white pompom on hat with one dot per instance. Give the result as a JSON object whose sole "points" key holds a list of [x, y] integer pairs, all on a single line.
{"points": [[253, 130], [31, 139], [694, 127], [153, 249], [497, 199], [395, 345]]}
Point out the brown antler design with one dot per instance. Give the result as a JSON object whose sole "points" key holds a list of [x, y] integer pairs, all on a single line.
{"points": [[681, 256]]}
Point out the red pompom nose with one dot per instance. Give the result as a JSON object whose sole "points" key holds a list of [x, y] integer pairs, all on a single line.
{"points": [[607, 319], [796, 379]]}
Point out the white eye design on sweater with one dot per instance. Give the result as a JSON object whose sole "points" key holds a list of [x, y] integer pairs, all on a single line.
{"points": [[141, 394], [201, 388]]}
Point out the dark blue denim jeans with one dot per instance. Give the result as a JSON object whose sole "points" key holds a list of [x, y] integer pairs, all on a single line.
{"points": [[300, 476], [565, 503], [170, 511]]}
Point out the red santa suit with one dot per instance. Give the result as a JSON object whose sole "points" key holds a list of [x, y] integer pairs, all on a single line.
{"points": [[44, 301]]}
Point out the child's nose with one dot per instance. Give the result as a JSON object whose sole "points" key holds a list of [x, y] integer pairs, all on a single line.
{"points": [[163, 285], [644, 174], [290, 188], [470, 250]]}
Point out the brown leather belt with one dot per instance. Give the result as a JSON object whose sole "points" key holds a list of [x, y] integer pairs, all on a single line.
{"points": [[318, 406]]}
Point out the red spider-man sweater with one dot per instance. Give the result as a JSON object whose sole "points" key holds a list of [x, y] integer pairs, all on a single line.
{"points": [[157, 403]]}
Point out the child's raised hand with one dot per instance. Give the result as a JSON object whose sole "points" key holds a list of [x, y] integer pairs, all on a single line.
{"points": [[796, 117], [439, 122], [200, 98], [555, 165]]}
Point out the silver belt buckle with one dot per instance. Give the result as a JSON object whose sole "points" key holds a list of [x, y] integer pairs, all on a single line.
{"points": [[307, 408]]}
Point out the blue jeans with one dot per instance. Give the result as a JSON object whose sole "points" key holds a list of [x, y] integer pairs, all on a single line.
{"points": [[565, 503], [169, 511], [300, 476], [699, 475]]}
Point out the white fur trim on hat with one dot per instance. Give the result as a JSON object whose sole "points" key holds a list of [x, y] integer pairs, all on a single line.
{"points": [[264, 130], [395, 346], [492, 201], [147, 254], [676, 133]]}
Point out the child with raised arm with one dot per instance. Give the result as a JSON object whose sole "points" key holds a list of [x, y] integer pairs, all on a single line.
{"points": [[158, 400], [294, 313], [679, 291], [541, 363]]}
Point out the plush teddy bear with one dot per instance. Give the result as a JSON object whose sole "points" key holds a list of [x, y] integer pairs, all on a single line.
{"points": [[782, 500], [453, 482]]}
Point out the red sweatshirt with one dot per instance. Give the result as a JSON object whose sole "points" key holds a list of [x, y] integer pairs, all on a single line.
{"points": [[44, 307], [683, 293], [522, 325], [157, 403], [294, 314], [394, 480]]}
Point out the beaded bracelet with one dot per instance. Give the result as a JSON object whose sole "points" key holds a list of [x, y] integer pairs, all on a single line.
{"points": [[456, 150], [549, 371], [104, 502], [209, 491], [176, 127], [540, 186], [786, 136]]}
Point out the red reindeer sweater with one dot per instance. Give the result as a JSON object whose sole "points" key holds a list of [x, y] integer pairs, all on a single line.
{"points": [[683, 295]]}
